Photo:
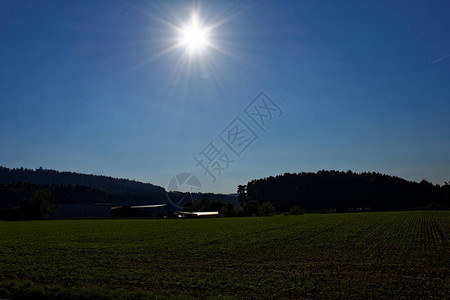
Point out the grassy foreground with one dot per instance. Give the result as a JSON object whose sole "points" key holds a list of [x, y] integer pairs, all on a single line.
{"points": [[360, 255]]}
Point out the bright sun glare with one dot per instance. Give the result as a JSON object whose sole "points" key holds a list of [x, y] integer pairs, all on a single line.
{"points": [[193, 36]]}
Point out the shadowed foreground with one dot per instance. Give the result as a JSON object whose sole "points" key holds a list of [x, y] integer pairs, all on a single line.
{"points": [[398, 254]]}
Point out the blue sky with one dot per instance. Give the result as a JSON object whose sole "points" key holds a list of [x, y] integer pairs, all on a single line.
{"points": [[88, 86]]}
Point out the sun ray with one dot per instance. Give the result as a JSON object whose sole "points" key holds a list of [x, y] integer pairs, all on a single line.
{"points": [[193, 36], [199, 41]]}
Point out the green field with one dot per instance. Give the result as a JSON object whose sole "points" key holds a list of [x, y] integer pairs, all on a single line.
{"points": [[396, 254]]}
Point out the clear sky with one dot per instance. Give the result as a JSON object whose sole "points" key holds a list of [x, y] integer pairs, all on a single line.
{"points": [[100, 87]]}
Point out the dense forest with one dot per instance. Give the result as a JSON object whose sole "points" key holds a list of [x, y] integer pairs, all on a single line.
{"points": [[36, 201], [119, 191], [17, 185], [13, 194], [344, 191], [104, 183]]}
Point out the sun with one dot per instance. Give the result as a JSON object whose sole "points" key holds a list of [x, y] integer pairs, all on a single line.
{"points": [[193, 36]]}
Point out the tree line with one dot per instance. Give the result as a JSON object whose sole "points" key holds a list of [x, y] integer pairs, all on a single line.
{"points": [[38, 201], [121, 191], [104, 183], [344, 191]]}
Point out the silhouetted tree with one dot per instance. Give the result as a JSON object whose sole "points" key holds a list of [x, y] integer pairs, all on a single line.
{"points": [[42, 201], [242, 194], [266, 209], [295, 210], [251, 208]]}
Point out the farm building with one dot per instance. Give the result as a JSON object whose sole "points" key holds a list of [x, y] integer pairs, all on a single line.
{"points": [[139, 211], [198, 214]]}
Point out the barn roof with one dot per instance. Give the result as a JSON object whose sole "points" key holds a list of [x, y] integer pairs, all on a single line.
{"points": [[200, 213]]}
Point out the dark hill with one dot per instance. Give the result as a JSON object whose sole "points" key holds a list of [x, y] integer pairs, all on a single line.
{"points": [[104, 183], [346, 190], [13, 194], [118, 191]]}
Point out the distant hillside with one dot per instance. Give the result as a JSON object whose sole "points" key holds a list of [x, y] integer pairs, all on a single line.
{"points": [[343, 190], [104, 183], [118, 191], [13, 194]]}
